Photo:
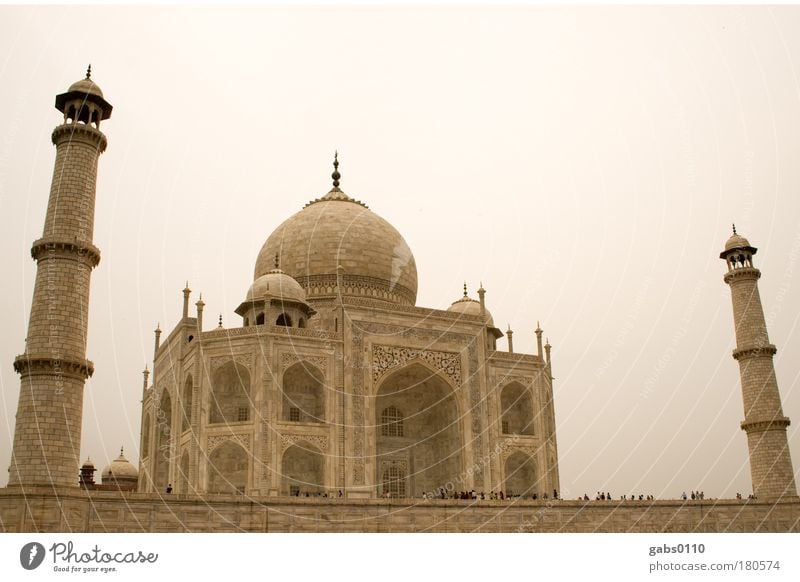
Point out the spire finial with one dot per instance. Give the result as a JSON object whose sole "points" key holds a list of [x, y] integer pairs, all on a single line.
{"points": [[277, 261], [465, 289], [121, 450], [734, 229], [89, 71], [336, 175], [220, 321]]}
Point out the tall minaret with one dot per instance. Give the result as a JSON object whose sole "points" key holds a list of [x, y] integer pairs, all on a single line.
{"points": [[54, 368], [764, 422]]}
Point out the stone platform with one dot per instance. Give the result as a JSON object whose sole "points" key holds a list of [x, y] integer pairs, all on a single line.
{"points": [[43, 509]]}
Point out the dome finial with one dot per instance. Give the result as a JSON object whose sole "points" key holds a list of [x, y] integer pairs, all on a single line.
{"points": [[220, 321], [89, 71], [336, 175], [734, 229], [121, 449], [277, 261], [465, 288]]}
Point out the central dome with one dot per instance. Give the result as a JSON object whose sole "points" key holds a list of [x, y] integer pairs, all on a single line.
{"points": [[334, 231]]}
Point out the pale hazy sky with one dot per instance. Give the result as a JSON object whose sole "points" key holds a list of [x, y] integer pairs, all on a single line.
{"points": [[585, 163]]}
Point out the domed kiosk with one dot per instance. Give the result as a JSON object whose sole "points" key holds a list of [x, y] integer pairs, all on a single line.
{"points": [[120, 474]]}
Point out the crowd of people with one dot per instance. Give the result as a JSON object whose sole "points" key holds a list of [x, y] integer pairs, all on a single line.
{"points": [[441, 493], [492, 495], [603, 496]]}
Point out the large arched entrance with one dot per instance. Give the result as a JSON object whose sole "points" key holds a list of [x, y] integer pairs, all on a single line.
{"points": [[520, 475], [418, 437], [302, 470]]}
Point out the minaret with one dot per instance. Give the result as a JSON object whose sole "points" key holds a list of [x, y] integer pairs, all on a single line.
{"points": [[54, 368], [764, 422]]}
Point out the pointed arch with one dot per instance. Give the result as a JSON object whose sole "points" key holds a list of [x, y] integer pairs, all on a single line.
{"points": [[520, 475], [230, 394], [186, 403], [431, 441], [146, 428], [516, 409], [182, 485], [303, 387], [164, 441], [302, 470], [228, 465]]}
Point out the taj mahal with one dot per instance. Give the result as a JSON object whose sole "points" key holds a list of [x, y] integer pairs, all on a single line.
{"points": [[335, 403]]}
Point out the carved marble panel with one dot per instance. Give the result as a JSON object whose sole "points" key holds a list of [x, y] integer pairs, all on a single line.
{"points": [[386, 358], [215, 441]]}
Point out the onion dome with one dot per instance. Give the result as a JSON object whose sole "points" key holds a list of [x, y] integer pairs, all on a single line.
{"points": [[120, 471], [337, 231]]}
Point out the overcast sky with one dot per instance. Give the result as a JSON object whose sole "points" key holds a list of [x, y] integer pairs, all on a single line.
{"points": [[584, 163]]}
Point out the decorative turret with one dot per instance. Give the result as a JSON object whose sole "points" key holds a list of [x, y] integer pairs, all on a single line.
{"points": [[538, 333], [54, 368], [764, 422]]}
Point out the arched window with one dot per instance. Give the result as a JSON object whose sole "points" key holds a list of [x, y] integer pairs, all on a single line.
{"points": [[394, 482], [301, 323], [146, 437], [391, 422], [303, 394], [260, 319], [186, 402], [230, 394], [227, 469], [302, 470], [517, 410], [284, 320]]}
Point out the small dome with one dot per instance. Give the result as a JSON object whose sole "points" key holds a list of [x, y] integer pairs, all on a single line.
{"points": [[469, 306], [276, 284], [737, 242], [86, 86], [87, 464], [120, 469]]}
